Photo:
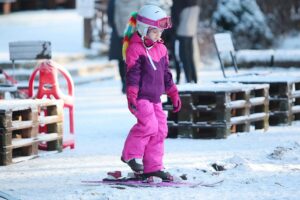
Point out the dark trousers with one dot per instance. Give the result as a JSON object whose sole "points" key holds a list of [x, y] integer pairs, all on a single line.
{"points": [[115, 53], [186, 53], [122, 72]]}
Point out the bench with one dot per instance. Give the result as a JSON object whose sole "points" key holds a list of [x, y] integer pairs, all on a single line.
{"points": [[228, 55], [27, 50], [224, 47]]}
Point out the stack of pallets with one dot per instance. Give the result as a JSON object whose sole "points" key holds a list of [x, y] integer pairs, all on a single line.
{"points": [[284, 96], [217, 110], [19, 128]]}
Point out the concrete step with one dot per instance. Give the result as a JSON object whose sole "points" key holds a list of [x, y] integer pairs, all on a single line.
{"points": [[81, 70]]}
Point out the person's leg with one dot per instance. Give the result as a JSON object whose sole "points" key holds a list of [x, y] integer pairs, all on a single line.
{"points": [[154, 151], [175, 52], [183, 54], [191, 59], [122, 72], [141, 132]]}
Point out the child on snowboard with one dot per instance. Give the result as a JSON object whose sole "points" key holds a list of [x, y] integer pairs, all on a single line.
{"points": [[147, 78]]}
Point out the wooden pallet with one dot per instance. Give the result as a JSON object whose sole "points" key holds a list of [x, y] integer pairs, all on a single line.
{"points": [[19, 151], [218, 110], [284, 100], [19, 128], [51, 125]]}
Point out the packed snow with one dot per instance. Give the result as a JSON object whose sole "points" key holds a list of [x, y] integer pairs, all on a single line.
{"points": [[257, 165]]}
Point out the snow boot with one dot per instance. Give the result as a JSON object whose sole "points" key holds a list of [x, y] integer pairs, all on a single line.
{"points": [[165, 176], [135, 164]]}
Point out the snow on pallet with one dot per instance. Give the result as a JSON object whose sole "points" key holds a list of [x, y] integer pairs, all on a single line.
{"points": [[19, 128], [284, 96], [217, 110]]}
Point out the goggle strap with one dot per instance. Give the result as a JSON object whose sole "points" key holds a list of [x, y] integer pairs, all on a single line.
{"points": [[150, 59], [146, 20]]}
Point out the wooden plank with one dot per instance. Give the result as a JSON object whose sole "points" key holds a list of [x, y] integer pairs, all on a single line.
{"points": [[213, 125], [51, 141], [8, 136], [296, 109], [296, 94], [257, 116], [237, 104], [238, 120], [48, 137], [6, 157], [22, 142], [17, 104], [18, 125], [50, 119], [5, 138], [257, 101], [23, 158]]}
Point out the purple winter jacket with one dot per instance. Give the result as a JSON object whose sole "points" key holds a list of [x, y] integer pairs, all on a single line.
{"points": [[141, 74]]}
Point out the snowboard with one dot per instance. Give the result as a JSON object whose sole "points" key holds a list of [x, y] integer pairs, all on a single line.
{"points": [[115, 179]]}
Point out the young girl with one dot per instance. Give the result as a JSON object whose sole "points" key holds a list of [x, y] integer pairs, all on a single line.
{"points": [[147, 78]]}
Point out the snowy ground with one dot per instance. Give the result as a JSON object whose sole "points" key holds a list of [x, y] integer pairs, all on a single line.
{"points": [[259, 165]]}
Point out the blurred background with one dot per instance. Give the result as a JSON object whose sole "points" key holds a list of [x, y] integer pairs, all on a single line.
{"points": [[254, 24], [80, 29]]}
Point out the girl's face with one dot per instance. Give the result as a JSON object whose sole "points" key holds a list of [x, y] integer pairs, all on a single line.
{"points": [[154, 34]]}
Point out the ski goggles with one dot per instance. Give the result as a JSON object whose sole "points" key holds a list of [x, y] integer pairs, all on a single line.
{"points": [[163, 23]]}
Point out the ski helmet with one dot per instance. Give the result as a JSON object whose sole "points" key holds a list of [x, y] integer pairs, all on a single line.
{"points": [[152, 16]]}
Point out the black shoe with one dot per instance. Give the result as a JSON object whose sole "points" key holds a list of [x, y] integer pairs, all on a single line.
{"points": [[134, 165], [165, 176]]}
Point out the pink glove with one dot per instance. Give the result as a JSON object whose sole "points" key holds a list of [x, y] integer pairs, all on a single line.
{"points": [[132, 93], [173, 94]]}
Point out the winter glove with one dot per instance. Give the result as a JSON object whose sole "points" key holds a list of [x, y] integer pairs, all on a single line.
{"points": [[131, 94], [173, 94]]}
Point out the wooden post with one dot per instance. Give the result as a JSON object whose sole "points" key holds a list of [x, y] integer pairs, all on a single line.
{"points": [[6, 8], [87, 37]]}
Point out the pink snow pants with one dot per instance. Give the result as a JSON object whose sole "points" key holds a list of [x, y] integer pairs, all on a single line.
{"points": [[146, 138]]}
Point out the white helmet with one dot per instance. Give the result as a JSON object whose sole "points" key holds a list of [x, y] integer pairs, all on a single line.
{"points": [[152, 16]]}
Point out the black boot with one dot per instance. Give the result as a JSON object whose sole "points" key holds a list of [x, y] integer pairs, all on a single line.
{"points": [[134, 165], [165, 176]]}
